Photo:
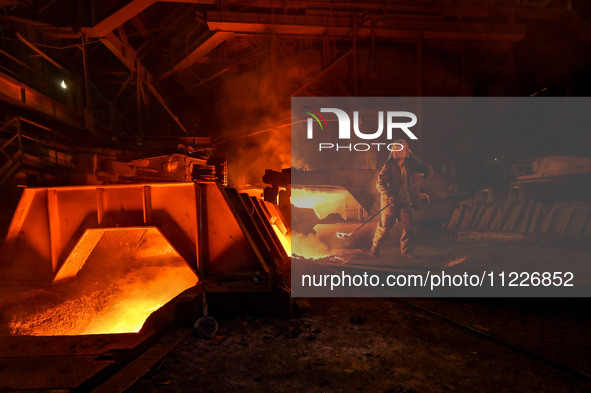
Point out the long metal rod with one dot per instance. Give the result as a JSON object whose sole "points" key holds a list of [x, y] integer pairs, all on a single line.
{"points": [[341, 235], [8, 123], [165, 106], [355, 79], [19, 62], [201, 82], [85, 69], [128, 56], [38, 51]]}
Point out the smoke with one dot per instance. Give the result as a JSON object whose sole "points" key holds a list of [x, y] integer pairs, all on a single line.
{"points": [[248, 157], [308, 246], [254, 113]]}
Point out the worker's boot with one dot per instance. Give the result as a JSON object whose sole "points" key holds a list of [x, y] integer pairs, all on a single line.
{"points": [[375, 250], [409, 254]]}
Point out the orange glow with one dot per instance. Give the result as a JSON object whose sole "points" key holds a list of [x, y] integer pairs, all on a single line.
{"points": [[111, 282], [323, 202], [284, 239], [308, 246], [136, 302]]}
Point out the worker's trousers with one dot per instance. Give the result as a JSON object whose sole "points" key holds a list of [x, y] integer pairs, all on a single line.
{"points": [[403, 214]]}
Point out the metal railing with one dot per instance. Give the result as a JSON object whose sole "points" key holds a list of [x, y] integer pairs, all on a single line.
{"points": [[26, 143], [11, 149]]}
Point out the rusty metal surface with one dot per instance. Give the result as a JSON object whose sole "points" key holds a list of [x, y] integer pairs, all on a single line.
{"points": [[245, 219], [527, 217], [226, 250], [548, 167], [266, 219], [171, 167], [49, 221]]}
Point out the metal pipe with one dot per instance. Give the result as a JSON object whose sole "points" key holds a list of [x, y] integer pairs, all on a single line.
{"points": [[355, 82], [85, 68], [138, 93]]}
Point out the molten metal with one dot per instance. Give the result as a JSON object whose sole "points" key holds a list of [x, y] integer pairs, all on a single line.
{"points": [[323, 202], [110, 283]]}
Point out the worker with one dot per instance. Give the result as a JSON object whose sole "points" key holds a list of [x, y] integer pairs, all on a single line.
{"points": [[397, 184]]}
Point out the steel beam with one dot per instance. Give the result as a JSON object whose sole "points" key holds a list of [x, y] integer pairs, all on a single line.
{"points": [[207, 46], [322, 72], [123, 52], [306, 25], [428, 10], [207, 2], [579, 26], [119, 17], [127, 55], [140, 26], [39, 52], [129, 11]]}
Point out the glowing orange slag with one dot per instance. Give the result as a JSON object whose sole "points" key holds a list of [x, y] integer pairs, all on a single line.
{"points": [[126, 274], [323, 202], [308, 246], [139, 300]]}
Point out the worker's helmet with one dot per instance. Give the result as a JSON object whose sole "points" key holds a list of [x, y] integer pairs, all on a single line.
{"points": [[400, 149]]}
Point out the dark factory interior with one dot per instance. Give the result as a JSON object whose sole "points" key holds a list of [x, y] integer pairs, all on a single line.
{"points": [[151, 197]]}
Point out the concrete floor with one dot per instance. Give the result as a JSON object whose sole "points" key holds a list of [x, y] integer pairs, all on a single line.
{"points": [[387, 345], [401, 345]]}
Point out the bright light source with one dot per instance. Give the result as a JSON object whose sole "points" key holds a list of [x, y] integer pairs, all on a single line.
{"points": [[63, 84]]}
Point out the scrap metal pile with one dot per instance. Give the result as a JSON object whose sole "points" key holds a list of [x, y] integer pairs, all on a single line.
{"points": [[550, 196], [171, 167]]}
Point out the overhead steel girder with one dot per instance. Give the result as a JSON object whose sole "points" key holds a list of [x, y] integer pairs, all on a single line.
{"points": [[307, 25], [129, 11], [126, 54], [119, 17], [207, 46], [123, 52]]}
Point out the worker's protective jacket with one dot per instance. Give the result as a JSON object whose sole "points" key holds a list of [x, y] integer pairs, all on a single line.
{"points": [[390, 179]]}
